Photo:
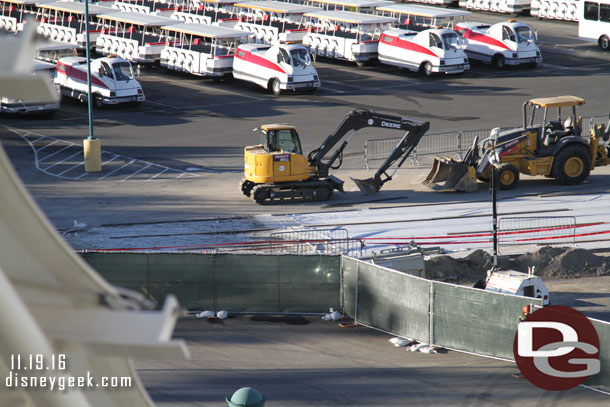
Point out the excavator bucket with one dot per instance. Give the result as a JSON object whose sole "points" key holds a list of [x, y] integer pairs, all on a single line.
{"points": [[450, 174], [369, 186]]}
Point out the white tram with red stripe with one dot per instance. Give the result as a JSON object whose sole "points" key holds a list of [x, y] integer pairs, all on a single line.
{"points": [[272, 22], [112, 80], [65, 22], [276, 68], [345, 35], [430, 51], [133, 36], [13, 13], [506, 43], [201, 49]]}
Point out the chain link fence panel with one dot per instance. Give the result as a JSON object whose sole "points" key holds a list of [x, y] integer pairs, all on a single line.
{"points": [[547, 230]]}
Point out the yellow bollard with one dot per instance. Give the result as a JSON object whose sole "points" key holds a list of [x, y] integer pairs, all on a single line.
{"points": [[93, 155]]}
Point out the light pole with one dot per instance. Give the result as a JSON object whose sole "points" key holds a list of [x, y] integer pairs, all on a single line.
{"points": [[91, 145], [493, 186]]}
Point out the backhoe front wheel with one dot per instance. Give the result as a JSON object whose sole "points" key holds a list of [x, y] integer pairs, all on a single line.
{"points": [[604, 42], [572, 165], [508, 176]]}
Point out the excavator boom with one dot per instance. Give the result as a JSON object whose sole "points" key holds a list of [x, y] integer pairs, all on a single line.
{"points": [[403, 149], [358, 119]]}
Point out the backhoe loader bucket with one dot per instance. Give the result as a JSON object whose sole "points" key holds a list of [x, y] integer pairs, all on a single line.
{"points": [[447, 173], [369, 186]]}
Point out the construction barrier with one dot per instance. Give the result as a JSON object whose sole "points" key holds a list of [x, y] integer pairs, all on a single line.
{"points": [[440, 314], [315, 241], [447, 315], [601, 381], [265, 283], [552, 230], [393, 302]]}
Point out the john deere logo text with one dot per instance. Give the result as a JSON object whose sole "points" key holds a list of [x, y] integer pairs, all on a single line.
{"points": [[391, 125]]}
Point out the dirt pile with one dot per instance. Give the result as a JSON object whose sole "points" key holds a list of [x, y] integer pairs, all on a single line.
{"points": [[448, 269], [553, 262], [561, 263]]}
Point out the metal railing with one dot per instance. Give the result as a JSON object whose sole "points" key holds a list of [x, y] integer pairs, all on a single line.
{"points": [[546, 230], [452, 143], [315, 241]]}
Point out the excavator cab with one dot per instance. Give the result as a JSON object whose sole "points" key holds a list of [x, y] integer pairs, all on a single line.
{"points": [[280, 138]]}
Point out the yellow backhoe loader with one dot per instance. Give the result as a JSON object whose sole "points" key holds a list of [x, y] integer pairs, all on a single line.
{"points": [[555, 149], [276, 171]]}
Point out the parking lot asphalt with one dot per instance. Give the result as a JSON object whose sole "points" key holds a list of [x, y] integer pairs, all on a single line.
{"points": [[180, 154], [304, 361]]}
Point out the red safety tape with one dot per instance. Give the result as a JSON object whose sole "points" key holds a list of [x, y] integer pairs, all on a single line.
{"points": [[258, 245], [490, 234]]}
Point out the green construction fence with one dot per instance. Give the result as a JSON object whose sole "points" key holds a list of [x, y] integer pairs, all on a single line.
{"points": [[447, 315]]}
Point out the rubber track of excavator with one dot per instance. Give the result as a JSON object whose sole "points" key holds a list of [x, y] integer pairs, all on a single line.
{"points": [[286, 192]]}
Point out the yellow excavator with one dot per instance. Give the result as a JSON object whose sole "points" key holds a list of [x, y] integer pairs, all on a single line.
{"points": [[555, 149], [276, 171]]}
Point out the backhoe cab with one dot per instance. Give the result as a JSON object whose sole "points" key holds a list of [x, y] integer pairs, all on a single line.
{"points": [[554, 149], [276, 170]]}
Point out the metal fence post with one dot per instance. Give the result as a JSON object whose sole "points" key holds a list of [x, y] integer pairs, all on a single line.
{"points": [[459, 145], [366, 154], [431, 316]]}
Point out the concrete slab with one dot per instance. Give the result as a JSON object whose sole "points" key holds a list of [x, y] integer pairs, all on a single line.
{"points": [[304, 361]]}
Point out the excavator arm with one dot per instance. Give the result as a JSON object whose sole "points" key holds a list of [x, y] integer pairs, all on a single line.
{"points": [[403, 149], [358, 119]]}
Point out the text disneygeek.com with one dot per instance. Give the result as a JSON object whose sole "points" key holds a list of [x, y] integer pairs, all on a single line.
{"points": [[28, 372]]}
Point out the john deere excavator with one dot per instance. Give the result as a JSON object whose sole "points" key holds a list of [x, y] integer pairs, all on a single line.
{"points": [[276, 171], [555, 149]]}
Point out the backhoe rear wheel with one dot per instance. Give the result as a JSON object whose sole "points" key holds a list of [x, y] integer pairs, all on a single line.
{"points": [[508, 176], [572, 165]]}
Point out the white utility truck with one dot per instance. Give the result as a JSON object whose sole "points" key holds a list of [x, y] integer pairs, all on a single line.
{"points": [[276, 68], [501, 44], [431, 51], [112, 80], [517, 283]]}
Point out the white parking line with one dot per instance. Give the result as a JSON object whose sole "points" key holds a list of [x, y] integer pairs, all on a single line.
{"points": [[47, 145], [71, 168], [136, 173], [162, 172], [65, 159], [52, 141], [117, 169], [52, 154], [111, 160]]}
